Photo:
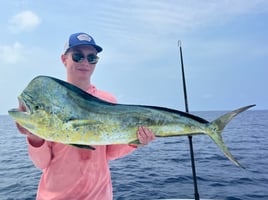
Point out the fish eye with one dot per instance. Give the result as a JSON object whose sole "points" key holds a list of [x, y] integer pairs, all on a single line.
{"points": [[36, 107]]}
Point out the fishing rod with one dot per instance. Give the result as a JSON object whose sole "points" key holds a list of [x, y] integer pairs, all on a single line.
{"points": [[189, 137]]}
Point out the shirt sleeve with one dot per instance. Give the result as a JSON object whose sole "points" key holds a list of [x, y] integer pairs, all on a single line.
{"points": [[40, 156], [119, 150]]}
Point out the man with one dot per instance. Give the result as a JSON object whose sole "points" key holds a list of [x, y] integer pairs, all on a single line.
{"points": [[70, 172]]}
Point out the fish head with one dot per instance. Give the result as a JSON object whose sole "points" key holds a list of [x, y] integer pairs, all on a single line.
{"points": [[40, 104]]}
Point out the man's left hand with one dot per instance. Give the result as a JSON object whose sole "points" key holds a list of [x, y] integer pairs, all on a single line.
{"points": [[145, 135]]}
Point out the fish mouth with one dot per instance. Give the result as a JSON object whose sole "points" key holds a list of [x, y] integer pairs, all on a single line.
{"points": [[13, 110], [22, 109], [20, 114], [25, 107]]}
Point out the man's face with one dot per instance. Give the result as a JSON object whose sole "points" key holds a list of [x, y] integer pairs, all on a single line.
{"points": [[76, 62]]}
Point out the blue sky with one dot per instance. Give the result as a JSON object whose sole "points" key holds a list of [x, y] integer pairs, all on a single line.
{"points": [[224, 48]]}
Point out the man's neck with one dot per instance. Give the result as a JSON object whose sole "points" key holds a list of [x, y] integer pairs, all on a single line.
{"points": [[82, 84]]}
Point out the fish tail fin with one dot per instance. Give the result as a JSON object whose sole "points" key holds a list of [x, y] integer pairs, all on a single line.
{"points": [[217, 127]]}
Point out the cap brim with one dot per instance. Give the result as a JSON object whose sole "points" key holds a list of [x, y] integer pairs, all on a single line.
{"points": [[98, 48]]}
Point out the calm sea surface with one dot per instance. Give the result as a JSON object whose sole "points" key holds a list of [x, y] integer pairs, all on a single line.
{"points": [[162, 169]]}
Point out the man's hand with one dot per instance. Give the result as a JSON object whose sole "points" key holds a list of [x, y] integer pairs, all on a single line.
{"points": [[145, 135], [33, 139]]}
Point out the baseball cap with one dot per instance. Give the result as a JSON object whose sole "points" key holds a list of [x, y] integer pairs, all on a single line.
{"points": [[81, 38]]}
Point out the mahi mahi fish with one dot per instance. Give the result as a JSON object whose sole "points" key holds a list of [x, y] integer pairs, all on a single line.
{"points": [[61, 112]]}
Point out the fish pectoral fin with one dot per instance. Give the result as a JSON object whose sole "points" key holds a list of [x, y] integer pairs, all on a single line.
{"points": [[135, 142], [83, 146]]}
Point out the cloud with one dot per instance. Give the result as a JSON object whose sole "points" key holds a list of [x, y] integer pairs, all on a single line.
{"points": [[24, 21], [158, 16], [11, 54]]}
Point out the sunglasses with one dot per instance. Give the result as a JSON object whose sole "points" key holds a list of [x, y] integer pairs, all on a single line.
{"points": [[79, 57]]}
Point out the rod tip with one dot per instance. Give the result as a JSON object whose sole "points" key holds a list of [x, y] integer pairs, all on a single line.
{"points": [[179, 43]]}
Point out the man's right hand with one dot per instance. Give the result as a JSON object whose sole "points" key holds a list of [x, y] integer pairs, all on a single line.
{"points": [[33, 139]]}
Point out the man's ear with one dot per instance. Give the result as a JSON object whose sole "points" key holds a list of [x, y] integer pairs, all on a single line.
{"points": [[63, 59]]}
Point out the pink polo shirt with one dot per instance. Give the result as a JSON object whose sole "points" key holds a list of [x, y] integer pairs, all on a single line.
{"points": [[74, 173]]}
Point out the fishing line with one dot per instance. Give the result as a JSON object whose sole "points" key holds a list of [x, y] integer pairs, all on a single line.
{"points": [[189, 137]]}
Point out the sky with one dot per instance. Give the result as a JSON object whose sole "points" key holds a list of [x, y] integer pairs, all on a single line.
{"points": [[224, 45]]}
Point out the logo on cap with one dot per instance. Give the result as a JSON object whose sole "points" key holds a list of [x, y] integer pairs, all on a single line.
{"points": [[84, 37]]}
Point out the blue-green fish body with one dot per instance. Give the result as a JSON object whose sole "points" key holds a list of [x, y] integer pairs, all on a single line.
{"points": [[60, 112]]}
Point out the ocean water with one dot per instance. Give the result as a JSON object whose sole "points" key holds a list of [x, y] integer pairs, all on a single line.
{"points": [[162, 169]]}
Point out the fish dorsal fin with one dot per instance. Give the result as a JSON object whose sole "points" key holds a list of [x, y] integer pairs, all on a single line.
{"points": [[87, 96], [83, 94]]}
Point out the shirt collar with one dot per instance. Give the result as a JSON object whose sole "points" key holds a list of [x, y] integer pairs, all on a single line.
{"points": [[92, 89]]}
